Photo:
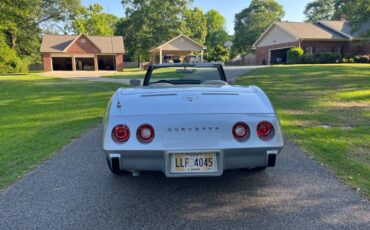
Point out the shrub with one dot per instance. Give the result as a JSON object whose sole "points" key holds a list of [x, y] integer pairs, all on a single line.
{"points": [[218, 53], [344, 60], [294, 55], [357, 59], [308, 59], [363, 59], [328, 57], [351, 60], [9, 61]]}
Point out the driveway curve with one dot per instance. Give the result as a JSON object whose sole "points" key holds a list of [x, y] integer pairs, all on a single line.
{"points": [[75, 190]]}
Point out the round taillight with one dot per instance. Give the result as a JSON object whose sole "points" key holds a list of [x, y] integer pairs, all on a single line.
{"points": [[145, 133], [120, 133], [265, 130], [241, 131]]}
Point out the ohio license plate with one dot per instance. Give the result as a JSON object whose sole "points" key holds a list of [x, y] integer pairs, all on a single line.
{"points": [[193, 162]]}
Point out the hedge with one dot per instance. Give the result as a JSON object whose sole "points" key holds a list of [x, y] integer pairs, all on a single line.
{"points": [[327, 58], [294, 55]]}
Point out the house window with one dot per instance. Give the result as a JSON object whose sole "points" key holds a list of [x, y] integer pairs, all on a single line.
{"points": [[309, 50]]}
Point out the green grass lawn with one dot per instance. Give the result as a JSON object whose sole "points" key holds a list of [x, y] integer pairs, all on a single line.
{"points": [[325, 109], [39, 115]]}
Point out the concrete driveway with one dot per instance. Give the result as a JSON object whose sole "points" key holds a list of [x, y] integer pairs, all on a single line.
{"points": [[76, 74], [75, 190]]}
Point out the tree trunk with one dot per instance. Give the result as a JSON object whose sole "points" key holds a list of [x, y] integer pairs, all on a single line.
{"points": [[13, 40]]}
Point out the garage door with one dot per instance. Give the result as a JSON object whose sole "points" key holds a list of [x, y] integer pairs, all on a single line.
{"points": [[62, 63], [106, 62], [85, 64], [278, 56]]}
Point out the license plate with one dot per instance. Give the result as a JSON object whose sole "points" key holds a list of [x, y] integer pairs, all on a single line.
{"points": [[193, 162]]}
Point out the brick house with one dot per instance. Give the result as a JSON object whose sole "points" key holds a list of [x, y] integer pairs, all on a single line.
{"points": [[320, 37], [82, 52]]}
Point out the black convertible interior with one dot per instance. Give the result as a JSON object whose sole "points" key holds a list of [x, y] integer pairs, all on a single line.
{"points": [[185, 74]]}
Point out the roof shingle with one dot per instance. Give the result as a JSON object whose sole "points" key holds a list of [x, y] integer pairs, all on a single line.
{"points": [[303, 30], [346, 28], [58, 43]]}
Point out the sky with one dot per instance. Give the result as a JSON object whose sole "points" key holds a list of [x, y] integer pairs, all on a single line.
{"points": [[228, 8]]}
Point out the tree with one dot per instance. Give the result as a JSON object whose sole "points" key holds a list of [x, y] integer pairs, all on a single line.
{"points": [[216, 37], [216, 34], [149, 23], [215, 21], [9, 61], [251, 22], [92, 21], [135, 45], [19, 26], [195, 24], [56, 10], [356, 11], [217, 53], [22, 20], [319, 10]]}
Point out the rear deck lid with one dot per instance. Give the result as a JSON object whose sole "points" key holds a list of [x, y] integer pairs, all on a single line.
{"points": [[193, 100]]}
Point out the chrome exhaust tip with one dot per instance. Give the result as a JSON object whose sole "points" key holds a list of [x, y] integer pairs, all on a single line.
{"points": [[271, 158], [114, 160]]}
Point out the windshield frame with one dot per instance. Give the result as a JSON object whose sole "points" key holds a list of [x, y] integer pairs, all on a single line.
{"points": [[154, 67]]}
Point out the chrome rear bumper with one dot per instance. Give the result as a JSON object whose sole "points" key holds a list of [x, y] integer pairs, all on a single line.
{"points": [[159, 160]]}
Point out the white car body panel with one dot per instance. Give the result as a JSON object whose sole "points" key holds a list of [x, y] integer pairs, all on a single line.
{"points": [[206, 99], [190, 118]]}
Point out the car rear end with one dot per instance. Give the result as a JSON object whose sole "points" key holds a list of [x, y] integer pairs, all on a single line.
{"points": [[192, 138]]}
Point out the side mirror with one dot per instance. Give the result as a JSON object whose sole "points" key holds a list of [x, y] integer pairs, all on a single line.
{"points": [[135, 82]]}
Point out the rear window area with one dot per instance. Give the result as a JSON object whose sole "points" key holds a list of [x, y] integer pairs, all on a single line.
{"points": [[184, 75]]}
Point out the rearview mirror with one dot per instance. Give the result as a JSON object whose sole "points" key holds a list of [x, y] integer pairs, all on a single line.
{"points": [[135, 82]]}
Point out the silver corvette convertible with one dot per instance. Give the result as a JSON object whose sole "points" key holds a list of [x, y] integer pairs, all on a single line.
{"points": [[186, 120]]}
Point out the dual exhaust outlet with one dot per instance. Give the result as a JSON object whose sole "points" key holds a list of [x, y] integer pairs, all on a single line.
{"points": [[114, 161]]}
